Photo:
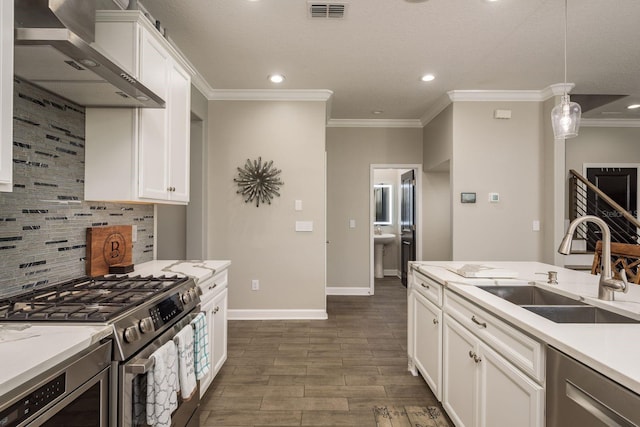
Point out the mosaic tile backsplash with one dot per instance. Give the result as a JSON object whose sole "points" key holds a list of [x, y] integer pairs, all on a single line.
{"points": [[43, 222]]}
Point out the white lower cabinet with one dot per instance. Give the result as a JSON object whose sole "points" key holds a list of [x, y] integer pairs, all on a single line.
{"points": [[214, 306], [207, 309], [219, 328], [483, 389], [427, 339]]}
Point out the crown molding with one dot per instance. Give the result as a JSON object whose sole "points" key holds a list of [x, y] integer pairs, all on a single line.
{"points": [[438, 107], [270, 95], [557, 89], [199, 82], [494, 95], [373, 123], [610, 123], [511, 95]]}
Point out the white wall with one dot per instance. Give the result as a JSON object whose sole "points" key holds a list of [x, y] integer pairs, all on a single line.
{"points": [[603, 145], [503, 156], [437, 223], [261, 242], [350, 154]]}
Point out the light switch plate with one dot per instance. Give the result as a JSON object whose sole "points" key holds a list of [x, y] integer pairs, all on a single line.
{"points": [[304, 225], [352, 223], [298, 205]]}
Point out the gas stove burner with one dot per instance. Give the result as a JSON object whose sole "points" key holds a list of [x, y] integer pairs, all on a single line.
{"points": [[88, 300]]}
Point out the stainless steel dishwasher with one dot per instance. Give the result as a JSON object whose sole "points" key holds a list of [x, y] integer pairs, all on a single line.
{"points": [[579, 396]]}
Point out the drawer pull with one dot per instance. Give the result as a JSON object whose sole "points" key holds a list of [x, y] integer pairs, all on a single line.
{"points": [[435, 321], [474, 356], [425, 286], [215, 310], [477, 322], [213, 286]]}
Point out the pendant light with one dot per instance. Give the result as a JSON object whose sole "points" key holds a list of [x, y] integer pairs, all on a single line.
{"points": [[565, 117]]}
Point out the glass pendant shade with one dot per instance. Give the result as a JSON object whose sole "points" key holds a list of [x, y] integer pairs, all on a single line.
{"points": [[565, 119]]}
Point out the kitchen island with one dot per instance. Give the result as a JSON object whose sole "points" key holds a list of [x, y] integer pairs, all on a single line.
{"points": [[510, 338]]}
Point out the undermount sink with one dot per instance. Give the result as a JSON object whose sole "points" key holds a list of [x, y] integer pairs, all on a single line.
{"points": [[384, 239], [555, 307], [578, 314], [529, 295]]}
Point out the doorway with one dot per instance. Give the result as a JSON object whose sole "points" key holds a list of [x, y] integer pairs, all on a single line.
{"points": [[620, 182], [405, 223]]}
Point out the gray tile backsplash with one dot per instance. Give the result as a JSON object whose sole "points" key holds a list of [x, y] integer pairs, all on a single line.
{"points": [[44, 221]]}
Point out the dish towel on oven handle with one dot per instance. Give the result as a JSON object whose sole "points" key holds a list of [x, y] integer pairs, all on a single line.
{"points": [[186, 373], [201, 345], [162, 386]]}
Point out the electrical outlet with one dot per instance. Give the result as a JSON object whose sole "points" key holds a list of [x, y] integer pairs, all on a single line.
{"points": [[255, 285]]}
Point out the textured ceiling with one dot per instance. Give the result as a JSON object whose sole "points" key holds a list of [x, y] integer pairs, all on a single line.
{"points": [[374, 57]]}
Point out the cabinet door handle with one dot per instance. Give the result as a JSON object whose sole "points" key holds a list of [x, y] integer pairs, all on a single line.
{"points": [[213, 286], [477, 322], [435, 321], [424, 286], [472, 354], [477, 359], [215, 310]]}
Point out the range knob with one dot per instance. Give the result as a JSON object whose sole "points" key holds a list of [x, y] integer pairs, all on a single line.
{"points": [[186, 297], [131, 334], [146, 325]]}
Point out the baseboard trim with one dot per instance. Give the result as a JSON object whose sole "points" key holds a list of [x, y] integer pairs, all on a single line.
{"points": [[391, 272], [352, 291], [277, 314]]}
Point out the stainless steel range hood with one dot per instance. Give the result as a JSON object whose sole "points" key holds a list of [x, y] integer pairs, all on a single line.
{"points": [[54, 49]]}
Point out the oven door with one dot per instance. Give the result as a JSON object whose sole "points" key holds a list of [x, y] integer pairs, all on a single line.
{"points": [[132, 383], [73, 394]]}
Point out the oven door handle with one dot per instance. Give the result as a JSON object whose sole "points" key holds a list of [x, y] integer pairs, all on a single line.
{"points": [[140, 366]]}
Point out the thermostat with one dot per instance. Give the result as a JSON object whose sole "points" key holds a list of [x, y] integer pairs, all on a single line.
{"points": [[494, 197]]}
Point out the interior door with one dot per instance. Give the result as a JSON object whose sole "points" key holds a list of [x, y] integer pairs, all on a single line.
{"points": [[621, 184], [407, 222]]}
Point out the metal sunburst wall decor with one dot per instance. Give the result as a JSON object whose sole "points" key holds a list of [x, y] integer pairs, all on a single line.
{"points": [[258, 181]]}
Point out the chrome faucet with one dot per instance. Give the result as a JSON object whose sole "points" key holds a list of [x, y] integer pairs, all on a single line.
{"points": [[607, 285]]}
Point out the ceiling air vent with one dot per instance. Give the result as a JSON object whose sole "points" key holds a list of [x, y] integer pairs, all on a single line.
{"points": [[327, 10]]}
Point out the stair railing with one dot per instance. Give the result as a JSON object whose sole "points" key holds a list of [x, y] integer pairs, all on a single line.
{"points": [[587, 199]]}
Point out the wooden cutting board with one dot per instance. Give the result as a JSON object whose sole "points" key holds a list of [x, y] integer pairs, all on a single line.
{"points": [[107, 246]]}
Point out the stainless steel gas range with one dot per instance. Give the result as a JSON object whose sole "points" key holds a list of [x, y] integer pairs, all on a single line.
{"points": [[108, 380]]}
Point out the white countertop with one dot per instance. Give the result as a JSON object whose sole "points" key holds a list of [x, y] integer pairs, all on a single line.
{"points": [[612, 349], [198, 269], [29, 349]]}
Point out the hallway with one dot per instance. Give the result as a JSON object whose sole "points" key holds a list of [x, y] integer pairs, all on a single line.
{"points": [[319, 372]]}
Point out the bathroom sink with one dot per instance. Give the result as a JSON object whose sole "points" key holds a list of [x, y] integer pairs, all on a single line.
{"points": [[383, 238], [578, 314], [529, 295]]}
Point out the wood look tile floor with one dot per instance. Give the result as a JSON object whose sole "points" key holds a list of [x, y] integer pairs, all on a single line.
{"points": [[318, 372]]}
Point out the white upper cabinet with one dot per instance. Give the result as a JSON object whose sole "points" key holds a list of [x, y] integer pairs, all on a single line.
{"points": [[140, 154], [6, 96]]}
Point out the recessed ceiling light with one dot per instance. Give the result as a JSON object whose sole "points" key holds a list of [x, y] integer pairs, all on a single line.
{"points": [[377, 112], [427, 77], [276, 78], [633, 106]]}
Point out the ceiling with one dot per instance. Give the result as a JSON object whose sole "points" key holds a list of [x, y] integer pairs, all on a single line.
{"points": [[373, 58]]}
